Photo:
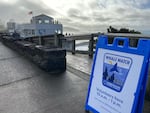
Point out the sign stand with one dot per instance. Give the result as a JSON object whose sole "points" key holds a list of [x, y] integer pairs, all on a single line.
{"points": [[119, 76]]}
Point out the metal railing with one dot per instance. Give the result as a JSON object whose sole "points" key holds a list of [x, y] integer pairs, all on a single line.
{"points": [[92, 39]]}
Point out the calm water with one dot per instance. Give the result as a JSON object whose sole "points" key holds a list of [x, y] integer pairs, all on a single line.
{"points": [[82, 45]]}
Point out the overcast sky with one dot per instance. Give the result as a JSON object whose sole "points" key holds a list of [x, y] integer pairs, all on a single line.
{"points": [[82, 16]]}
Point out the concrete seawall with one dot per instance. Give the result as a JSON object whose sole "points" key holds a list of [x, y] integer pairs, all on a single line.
{"points": [[49, 59]]}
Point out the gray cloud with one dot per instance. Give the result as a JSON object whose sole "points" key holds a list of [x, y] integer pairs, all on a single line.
{"points": [[87, 16], [103, 19], [83, 18], [77, 14], [138, 16], [73, 11], [94, 4], [70, 29], [19, 10], [99, 18], [121, 10], [65, 20], [88, 28], [38, 7]]}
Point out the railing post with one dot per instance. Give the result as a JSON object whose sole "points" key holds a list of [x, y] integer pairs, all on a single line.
{"points": [[31, 39], [60, 41], [91, 46], [40, 41], [73, 46], [56, 40]]}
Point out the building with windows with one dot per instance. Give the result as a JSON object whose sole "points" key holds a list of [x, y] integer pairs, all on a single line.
{"points": [[11, 26], [41, 25]]}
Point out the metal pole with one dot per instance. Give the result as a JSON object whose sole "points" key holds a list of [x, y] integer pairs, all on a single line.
{"points": [[40, 42], [91, 46], [73, 46], [56, 40]]}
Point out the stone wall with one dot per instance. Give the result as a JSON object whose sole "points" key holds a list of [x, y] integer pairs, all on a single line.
{"points": [[52, 60]]}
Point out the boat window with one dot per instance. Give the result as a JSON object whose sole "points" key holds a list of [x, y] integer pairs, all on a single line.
{"points": [[33, 32]]}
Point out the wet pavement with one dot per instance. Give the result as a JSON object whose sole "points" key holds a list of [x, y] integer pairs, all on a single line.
{"points": [[80, 64], [25, 88]]}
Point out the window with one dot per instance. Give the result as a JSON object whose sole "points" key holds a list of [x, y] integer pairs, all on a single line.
{"points": [[46, 21], [39, 21], [59, 31], [42, 31], [25, 31], [56, 31], [28, 32], [33, 32]]}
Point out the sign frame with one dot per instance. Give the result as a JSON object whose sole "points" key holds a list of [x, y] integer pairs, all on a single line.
{"points": [[143, 49]]}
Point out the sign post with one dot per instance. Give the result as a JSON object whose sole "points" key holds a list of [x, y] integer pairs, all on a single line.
{"points": [[119, 76]]}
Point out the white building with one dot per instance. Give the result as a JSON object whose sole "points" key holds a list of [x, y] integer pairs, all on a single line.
{"points": [[40, 25], [11, 26]]}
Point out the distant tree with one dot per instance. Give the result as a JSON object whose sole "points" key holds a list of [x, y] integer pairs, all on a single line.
{"points": [[112, 30], [122, 30]]}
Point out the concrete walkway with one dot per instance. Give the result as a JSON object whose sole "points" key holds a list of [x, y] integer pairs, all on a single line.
{"points": [[79, 64], [24, 88]]}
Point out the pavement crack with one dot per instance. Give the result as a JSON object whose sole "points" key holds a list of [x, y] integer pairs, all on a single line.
{"points": [[9, 58], [16, 81]]}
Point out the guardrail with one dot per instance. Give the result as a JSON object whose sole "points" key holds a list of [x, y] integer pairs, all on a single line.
{"points": [[92, 39]]}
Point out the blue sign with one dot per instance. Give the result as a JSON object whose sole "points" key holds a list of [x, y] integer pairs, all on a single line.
{"points": [[118, 78]]}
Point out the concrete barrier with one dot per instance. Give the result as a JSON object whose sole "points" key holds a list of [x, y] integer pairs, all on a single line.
{"points": [[52, 60]]}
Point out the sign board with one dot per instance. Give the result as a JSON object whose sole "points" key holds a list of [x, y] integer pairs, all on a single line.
{"points": [[118, 78]]}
